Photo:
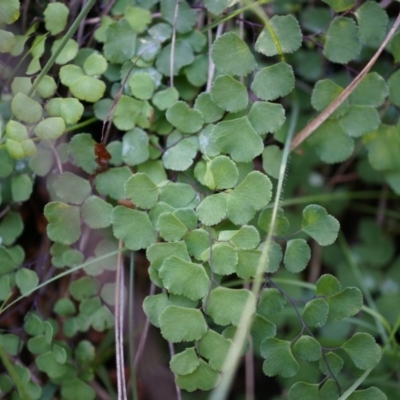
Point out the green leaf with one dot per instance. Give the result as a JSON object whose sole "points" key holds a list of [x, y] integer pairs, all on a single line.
{"points": [[64, 307], [71, 188], [307, 348], [165, 98], [342, 42], [9, 11], [180, 324], [393, 83], [68, 52], [261, 329], [33, 324], [55, 17], [120, 42], [154, 305], [7, 41], [335, 363], [81, 150], [266, 117], [223, 173], [70, 73], [340, 5], [216, 7], [88, 89], [184, 278], [157, 253], [133, 227], [185, 362], [238, 139], [84, 288], [222, 258], [246, 238], [371, 393], [324, 93], [187, 16], [315, 313], [12, 344], [371, 91], [21, 187], [231, 55], [138, 18], [214, 347], [111, 183], [38, 345], [11, 226], [363, 350], [183, 55], [203, 378], [197, 241], [303, 391], [329, 391], [179, 157], [95, 64], [212, 210], [394, 47], [50, 128], [135, 147], [279, 359], [76, 388], [321, 226], [272, 82], [178, 195], [16, 131], [344, 304], [26, 109], [251, 195], [183, 118], [327, 285], [210, 110], [281, 222], [372, 22], [297, 255], [46, 87], [288, 34], [271, 301], [96, 212], [247, 264], [142, 85], [360, 120], [26, 280], [64, 222], [225, 306], [229, 94], [141, 190]]}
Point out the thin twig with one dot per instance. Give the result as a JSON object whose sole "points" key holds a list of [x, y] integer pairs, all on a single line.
{"points": [[211, 65], [173, 41]]}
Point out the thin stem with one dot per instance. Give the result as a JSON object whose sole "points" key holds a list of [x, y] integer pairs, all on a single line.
{"points": [[173, 41], [211, 65], [171, 354]]}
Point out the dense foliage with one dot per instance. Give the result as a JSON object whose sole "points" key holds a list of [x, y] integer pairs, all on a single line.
{"points": [[161, 135]]}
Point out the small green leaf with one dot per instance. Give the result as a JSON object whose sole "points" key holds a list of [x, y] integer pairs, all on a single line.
{"points": [[203, 378], [33, 324], [238, 139], [197, 241], [340, 5], [55, 17], [272, 82], [327, 285], [344, 304], [225, 306], [133, 227], [71, 188], [279, 359], [81, 150], [360, 120], [371, 393], [111, 183], [7, 41], [393, 83], [64, 222], [303, 391], [11, 226], [12, 344], [288, 34], [342, 43], [214, 347], [247, 264], [321, 226], [335, 363], [315, 313], [157, 253], [372, 22], [210, 110], [222, 258], [180, 324], [76, 388], [138, 17], [371, 91], [212, 210], [9, 11], [26, 280], [183, 56], [184, 363], [329, 391], [394, 47], [307, 348], [281, 222], [179, 157], [16, 131], [183, 118], [165, 98], [266, 117], [154, 305], [88, 89], [246, 238], [46, 87], [96, 212], [26, 109], [297, 255], [141, 190], [135, 147], [223, 173], [229, 94], [95, 64], [84, 288], [251, 195], [363, 350], [50, 128], [271, 302], [68, 52], [186, 18], [216, 7], [178, 195], [21, 187], [231, 55], [170, 227], [64, 307], [120, 42], [142, 85], [261, 329]]}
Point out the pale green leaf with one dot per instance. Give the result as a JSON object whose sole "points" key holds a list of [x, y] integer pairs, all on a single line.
{"points": [[297, 255], [229, 94], [224, 173], [183, 55], [281, 222], [154, 305], [11, 226], [68, 52], [55, 17], [26, 109], [266, 117], [279, 359], [9, 11], [342, 42], [76, 388], [197, 241], [50, 128], [246, 238], [371, 91], [180, 324], [26, 280], [271, 301], [135, 147], [222, 258], [165, 98], [363, 350], [212, 210], [231, 55], [46, 87], [360, 120], [96, 213], [141, 190], [88, 89], [16, 131], [138, 17], [238, 139], [335, 363], [272, 160], [178, 195], [64, 222], [95, 64], [133, 227], [183, 118], [248, 261], [120, 41], [340, 5], [111, 183], [321, 226], [170, 227], [344, 304], [71, 188], [216, 7], [187, 16], [21, 187], [81, 150], [157, 253], [210, 110], [225, 305], [203, 378], [179, 157], [142, 85], [287, 32], [7, 41], [214, 347], [185, 362], [274, 81]]}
